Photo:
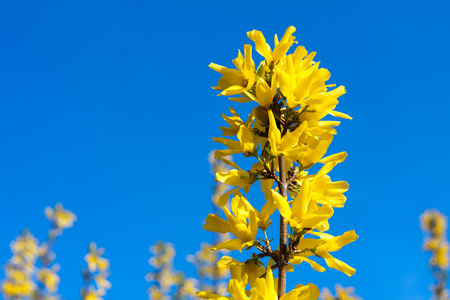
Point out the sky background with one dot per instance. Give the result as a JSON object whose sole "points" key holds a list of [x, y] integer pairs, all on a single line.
{"points": [[106, 107]]}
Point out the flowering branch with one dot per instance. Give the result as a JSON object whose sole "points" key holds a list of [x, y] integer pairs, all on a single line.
{"points": [[286, 134]]}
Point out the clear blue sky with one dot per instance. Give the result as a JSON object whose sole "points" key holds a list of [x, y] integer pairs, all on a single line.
{"points": [[106, 107]]}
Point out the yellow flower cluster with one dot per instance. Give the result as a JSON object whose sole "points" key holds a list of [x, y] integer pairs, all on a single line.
{"points": [[95, 275], [46, 277], [434, 226], [164, 278], [287, 136], [210, 276], [341, 294], [19, 280], [216, 167], [25, 277], [263, 284], [60, 218]]}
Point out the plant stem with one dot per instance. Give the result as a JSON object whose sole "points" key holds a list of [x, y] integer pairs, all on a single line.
{"points": [[282, 264], [46, 259]]}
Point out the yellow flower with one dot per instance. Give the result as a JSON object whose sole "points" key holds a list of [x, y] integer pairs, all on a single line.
{"points": [[280, 49], [49, 279], [234, 122], [316, 149], [236, 81], [324, 105], [435, 224], [341, 294], [244, 145], [19, 289], [93, 295], [238, 178], [432, 220], [189, 287], [304, 214], [264, 288], [323, 190], [26, 246], [101, 282], [321, 248], [94, 260], [251, 269], [288, 144], [244, 232], [264, 92], [302, 82], [163, 254], [62, 218], [440, 257], [269, 207], [19, 270]]}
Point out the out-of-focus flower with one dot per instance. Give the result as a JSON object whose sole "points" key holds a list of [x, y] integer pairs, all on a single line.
{"points": [[341, 294], [49, 278], [166, 282], [434, 226], [60, 217], [19, 280], [95, 275]]}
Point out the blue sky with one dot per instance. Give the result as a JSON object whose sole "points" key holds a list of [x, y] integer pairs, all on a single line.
{"points": [[107, 109]]}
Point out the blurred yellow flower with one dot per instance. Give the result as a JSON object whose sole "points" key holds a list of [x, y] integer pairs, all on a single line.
{"points": [[61, 217]]}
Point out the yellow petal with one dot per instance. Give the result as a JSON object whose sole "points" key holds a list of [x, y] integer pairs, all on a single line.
{"points": [[338, 265], [290, 140], [313, 294], [253, 224], [260, 44], [208, 295], [230, 163], [340, 115], [336, 243], [245, 137], [274, 134], [301, 202], [338, 157], [282, 205], [233, 244], [284, 44], [264, 93], [216, 224], [299, 259], [224, 198], [233, 145]]}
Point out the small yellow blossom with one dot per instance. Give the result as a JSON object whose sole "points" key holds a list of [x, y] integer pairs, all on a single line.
{"points": [[288, 144], [264, 288], [244, 145], [280, 49], [321, 248], [341, 294], [94, 260], [95, 275], [49, 279], [244, 232], [251, 268], [19, 270], [236, 81], [61, 217], [305, 214]]}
